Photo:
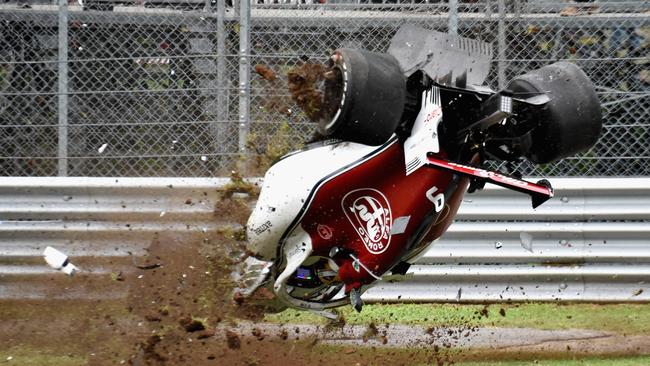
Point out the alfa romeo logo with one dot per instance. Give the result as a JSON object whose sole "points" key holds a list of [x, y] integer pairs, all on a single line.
{"points": [[324, 231], [369, 213]]}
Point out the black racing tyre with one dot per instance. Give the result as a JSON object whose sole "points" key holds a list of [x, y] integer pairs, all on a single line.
{"points": [[571, 122], [369, 92]]}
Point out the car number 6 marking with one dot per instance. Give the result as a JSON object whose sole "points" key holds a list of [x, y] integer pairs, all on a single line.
{"points": [[438, 200]]}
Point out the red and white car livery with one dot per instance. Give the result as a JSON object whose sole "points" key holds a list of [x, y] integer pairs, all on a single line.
{"points": [[407, 138]]}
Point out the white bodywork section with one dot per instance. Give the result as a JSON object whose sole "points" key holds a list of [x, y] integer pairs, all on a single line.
{"points": [[287, 187], [424, 134]]}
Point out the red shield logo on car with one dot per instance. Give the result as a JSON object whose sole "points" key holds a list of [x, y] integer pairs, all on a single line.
{"points": [[369, 213], [324, 231]]}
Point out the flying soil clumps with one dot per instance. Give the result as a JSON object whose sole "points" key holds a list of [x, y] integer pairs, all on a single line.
{"points": [[314, 87], [265, 72]]}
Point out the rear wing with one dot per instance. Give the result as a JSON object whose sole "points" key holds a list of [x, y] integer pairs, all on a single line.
{"points": [[539, 192]]}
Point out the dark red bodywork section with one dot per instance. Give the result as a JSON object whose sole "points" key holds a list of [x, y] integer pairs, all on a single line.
{"points": [[332, 219], [380, 215]]}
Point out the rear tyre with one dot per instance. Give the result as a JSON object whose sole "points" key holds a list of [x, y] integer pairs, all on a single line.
{"points": [[571, 121], [369, 90]]}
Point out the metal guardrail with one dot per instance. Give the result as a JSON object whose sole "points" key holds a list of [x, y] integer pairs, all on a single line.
{"points": [[590, 243], [99, 222]]}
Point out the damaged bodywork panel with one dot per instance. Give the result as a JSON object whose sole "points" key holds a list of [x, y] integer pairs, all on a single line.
{"points": [[447, 59]]}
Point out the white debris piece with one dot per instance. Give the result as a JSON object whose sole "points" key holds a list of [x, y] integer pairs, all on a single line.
{"points": [[526, 241], [162, 213], [59, 261], [102, 148], [204, 158], [250, 275]]}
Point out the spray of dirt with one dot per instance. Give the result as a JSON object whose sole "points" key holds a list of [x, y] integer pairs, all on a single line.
{"points": [[273, 102], [317, 90], [267, 143], [182, 291], [303, 88], [314, 87], [181, 303]]}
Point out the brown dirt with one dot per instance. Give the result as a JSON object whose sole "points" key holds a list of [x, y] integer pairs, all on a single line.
{"points": [[234, 205], [273, 102], [190, 316], [265, 72], [307, 89], [315, 89], [306, 85], [303, 88]]}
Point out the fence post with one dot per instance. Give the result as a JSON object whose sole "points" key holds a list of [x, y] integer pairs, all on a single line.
{"points": [[235, 7], [222, 108], [452, 23], [501, 36], [63, 89], [244, 72]]}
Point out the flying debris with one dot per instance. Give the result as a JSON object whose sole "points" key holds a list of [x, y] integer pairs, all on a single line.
{"points": [[59, 261]]}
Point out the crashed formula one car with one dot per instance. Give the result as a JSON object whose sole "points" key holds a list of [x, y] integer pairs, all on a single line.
{"points": [[408, 134]]}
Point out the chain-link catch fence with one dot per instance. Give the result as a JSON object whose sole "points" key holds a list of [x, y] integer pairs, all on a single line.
{"points": [[176, 87]]}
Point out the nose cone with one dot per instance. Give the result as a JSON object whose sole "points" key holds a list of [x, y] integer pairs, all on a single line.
{"points": [[261, 237]]}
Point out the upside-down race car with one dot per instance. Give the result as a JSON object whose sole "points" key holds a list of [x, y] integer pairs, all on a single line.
{"points": [[407, 134]]}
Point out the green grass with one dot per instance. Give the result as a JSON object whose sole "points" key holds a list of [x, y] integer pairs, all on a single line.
{"points": [[622, 361], [28, 356], [619, 318], [476, 357]]}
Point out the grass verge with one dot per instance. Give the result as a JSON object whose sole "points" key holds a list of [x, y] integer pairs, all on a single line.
{"points": [[477, 357], [29, 356], [618, 318], [590, 361]]}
